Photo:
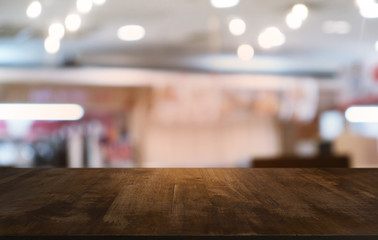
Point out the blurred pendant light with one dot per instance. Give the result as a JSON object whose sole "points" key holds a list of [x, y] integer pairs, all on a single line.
{"points": [[56, 30], [368, 8], [224, 3], [52, 45], [271, 37], [296, 16], [34, 9], [237, 26], [293, 21], [131, 33], [73, 22], [300, 10], [245, 52], [84, 6]]}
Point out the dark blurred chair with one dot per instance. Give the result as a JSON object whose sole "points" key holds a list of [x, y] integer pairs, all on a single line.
{"points": [[320, 161]]}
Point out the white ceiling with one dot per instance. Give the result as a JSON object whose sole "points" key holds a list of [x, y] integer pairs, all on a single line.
{"points": [[188, 34]]}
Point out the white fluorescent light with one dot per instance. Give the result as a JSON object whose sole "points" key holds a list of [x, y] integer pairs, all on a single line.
{"points": [[47, 112], [362, 114]]}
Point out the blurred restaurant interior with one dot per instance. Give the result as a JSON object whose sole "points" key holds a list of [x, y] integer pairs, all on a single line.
{"points": [[189, 83]]}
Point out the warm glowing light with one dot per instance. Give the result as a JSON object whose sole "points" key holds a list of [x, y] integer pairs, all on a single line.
{"points": [[362, 114], [52, 45], [245, 52], [30, 111], [73, 22], [295, 18], [271, 37], [362, 3], [300, 10], [99, 2], [368, 8], [56, 30], [224, 3], [34, 9], [84, 6], [237, 26], [293, 21], [369, 12], [131, 33]]}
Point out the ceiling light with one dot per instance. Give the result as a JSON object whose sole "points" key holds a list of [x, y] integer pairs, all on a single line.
{"points": [[43, 112], [362, 114], [368, 8], [245, 52], [56, 30], [293, 21], [84, 6], [336, 27], [364, 3], [342, 27], [99, 2], [52, 45], [34, 9], [73, 22], [360, 3], [131, 33], [237, 26], [370, 11], [271, 37], [224, 3], [300, 10]]}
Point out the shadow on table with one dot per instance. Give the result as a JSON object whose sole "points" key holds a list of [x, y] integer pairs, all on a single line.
{"points": [[319, 161]]}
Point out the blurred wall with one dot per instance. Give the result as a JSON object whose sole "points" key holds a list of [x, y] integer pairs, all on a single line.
{"points": [[231, 144]]}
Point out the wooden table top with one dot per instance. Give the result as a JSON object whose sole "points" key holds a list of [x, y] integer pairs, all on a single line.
{"points": [[189, 203]]}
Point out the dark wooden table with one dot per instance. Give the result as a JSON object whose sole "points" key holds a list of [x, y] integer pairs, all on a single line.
{"points": [[189, 204]]}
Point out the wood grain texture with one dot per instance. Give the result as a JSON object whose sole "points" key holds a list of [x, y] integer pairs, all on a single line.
{"points": [[190, 202]]}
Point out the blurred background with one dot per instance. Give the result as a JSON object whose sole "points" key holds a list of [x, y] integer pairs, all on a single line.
{"points": [[189, 83]]}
